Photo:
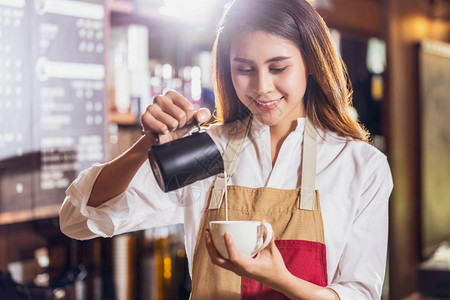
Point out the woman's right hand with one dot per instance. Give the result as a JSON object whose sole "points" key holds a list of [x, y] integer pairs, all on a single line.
{"points": [[170, 117]]}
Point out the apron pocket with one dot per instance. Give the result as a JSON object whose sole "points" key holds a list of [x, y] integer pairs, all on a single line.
{"points": [[304, 259]]}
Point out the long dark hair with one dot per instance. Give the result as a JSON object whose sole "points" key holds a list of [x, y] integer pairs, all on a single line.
{"points": [[328, 94]]}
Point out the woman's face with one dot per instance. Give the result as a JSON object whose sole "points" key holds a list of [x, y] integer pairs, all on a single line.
{"points": [[269, 76]]}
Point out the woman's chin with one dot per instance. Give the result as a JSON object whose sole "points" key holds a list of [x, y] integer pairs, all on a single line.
{"points": [[267, 119]]}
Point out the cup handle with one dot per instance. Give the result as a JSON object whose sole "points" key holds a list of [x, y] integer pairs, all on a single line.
{"points": [[268, 236]]}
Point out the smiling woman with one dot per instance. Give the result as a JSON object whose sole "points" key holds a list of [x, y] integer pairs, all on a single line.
{"points": [[328, 94], [270, 81], [283, 128]]}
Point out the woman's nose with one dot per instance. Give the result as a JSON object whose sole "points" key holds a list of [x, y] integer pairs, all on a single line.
{"points": [[263, 83]]}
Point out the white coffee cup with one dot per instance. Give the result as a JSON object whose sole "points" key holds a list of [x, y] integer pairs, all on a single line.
{"points": [[248, 236]]}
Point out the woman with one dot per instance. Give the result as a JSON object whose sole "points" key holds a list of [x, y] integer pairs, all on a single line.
{"points": [[282, 92]]}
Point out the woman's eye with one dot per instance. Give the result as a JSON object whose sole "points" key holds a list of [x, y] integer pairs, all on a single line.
{"points": [[245, 70], [277, 70]]}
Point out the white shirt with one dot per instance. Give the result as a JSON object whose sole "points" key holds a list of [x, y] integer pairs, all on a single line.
{"points": [[353, 179]]}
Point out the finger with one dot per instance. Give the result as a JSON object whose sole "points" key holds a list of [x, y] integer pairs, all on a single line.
{"points": [[173, 120], [181, 102], [151, 124], [215, 257], [177, 112], [202, 115], [233, 253], [163, 106], [159, 115]]}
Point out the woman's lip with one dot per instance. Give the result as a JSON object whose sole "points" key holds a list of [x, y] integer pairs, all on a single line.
{"points": [[267, 105]]}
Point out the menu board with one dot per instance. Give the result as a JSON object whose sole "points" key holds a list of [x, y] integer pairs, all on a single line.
{"points": [[52, 100]]}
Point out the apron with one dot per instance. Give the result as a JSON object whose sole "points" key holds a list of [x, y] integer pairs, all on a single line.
{"points": [[294, 215]]}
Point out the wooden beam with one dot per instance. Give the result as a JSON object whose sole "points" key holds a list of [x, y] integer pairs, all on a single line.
{"points": [[407, 23], [362, 17]]}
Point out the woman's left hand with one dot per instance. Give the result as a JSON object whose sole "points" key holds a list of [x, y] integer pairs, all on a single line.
{"points": [[266, 266]]}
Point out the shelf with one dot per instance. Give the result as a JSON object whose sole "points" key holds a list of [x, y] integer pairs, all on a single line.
{"points": [[123, 118], [43, 212], [15, 217], [46, 212]]}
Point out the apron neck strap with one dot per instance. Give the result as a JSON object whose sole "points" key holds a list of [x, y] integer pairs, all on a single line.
{"points": [[230, 159], [235, 146], [308, 184], [234, 149]]}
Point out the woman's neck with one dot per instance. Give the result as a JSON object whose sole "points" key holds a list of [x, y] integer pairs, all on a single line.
{"points": [[278, 135]]}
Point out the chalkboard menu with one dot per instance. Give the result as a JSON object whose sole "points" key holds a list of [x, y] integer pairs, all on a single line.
{"points": [[52, 101]]}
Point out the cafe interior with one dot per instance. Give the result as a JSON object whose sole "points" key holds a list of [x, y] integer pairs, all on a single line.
{"points": [[75, 76]]}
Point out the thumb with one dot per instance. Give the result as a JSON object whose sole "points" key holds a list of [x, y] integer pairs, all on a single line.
{"points": [[202, 115]]}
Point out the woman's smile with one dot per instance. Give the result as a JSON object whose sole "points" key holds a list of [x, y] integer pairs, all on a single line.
{"points": [[266, 105]]}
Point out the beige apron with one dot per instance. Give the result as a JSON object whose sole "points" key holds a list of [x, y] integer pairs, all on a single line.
{"points": [[294, 215]]}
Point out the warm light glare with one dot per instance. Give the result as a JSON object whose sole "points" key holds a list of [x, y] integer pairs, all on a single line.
{"points": [[191, 11], [415, 27], [167, 273]]}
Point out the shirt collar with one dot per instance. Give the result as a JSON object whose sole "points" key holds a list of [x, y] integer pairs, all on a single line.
{"points": [[300, 125], [258, 127]]}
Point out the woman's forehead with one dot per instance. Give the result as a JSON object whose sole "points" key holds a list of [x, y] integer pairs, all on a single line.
{"points": [[261, 44]]}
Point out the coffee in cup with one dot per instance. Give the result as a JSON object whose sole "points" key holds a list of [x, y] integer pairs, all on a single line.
{"points": [[248, 236]]}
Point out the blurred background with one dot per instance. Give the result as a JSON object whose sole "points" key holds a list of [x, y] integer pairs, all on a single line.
{"points": [[76, 75]]}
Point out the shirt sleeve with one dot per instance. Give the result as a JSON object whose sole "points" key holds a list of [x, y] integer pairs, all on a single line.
{"points": [[362, 266], [142, 205]]}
